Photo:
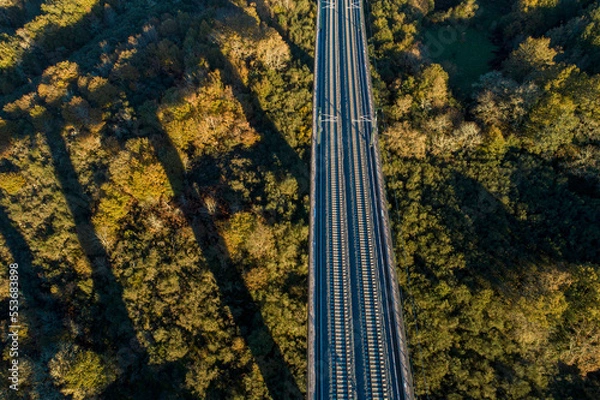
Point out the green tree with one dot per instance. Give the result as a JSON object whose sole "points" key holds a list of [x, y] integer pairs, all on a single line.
{"points": [[531, 59], [81, 373]]}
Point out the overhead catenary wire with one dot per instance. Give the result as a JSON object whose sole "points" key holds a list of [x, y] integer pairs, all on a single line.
{"points": [[403, 255], [352, 279]]}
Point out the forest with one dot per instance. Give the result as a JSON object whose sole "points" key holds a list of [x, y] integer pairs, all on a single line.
{"points": [[154, 183]]}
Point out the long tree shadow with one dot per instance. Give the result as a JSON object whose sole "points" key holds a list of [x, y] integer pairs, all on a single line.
{"points": [[112, 330], [44, 312], [234, 292], [48, 48], [282, 155], [297, 51], [273, 153], [14, 16], [60, 43]]}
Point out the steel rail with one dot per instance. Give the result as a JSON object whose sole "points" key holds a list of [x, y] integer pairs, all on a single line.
{"points": [[375, 377], [357, 346]]}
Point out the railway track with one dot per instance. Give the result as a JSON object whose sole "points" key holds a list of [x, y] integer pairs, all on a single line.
{"points": [[357, 346]]}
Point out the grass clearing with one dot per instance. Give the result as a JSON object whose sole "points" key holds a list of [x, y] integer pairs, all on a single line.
{"points": [[465, 59], [465, 49]]}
